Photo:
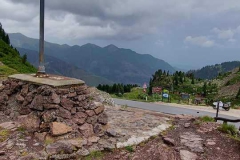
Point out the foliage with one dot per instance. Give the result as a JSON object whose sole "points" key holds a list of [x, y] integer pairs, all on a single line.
{"points": [[94, 155], [207, 119], [117, 89], [4, 134], [228, 128], [6, 71], [217, 70], [129, 148], [4, 36], [11, 57]]}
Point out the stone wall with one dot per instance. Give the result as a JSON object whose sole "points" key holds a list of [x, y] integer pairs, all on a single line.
{"points": [[71, 110]]}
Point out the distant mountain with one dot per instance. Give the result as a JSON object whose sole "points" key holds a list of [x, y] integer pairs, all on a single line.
{"points": [[116, 64], [56, 66], [212, 71]]}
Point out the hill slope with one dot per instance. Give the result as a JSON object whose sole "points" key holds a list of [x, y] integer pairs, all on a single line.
{"points": [[116, 64], [212, 71], [56, 66], [13, 62]]}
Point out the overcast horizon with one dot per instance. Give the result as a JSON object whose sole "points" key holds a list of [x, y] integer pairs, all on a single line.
{"points": [[193, 33]]}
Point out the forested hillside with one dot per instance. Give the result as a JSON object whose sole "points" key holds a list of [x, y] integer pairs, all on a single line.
{"points": [[212, 71], [11, 61]]}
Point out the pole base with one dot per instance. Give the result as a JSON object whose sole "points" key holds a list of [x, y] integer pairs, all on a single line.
{"points": [[41, 75]]}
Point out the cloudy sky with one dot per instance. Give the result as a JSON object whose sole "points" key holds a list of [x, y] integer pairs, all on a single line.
{"points": [[186, 33]]}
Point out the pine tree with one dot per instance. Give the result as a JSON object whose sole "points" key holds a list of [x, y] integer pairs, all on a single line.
{"points": [[24, 59]]}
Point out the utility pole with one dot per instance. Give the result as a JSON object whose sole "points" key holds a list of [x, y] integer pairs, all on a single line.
{"points": [[41, 67]]}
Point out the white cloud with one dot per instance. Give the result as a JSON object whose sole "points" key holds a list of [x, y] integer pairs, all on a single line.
{"points": [[224, 34], [202, 41]]}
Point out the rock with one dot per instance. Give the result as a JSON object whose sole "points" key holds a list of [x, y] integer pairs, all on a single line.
{"points": [[55, 98], [83, 152], [92, 120], [97, 128], [49, 116], [2, 153], [37, 103], [187, 125], [169, 141], [74, 110], [59, 148], [210, 142], [102, 119], [80, 118], [93, 139], [19, 98], [50, 106], [90, 113], [71, 95], [78, 143], [58, 128], [25, 110], [31, 122], [8, 125], [111, 132], [106, 144], [67, 103], [40, 136], [192, 141], [81, 98], [24, 90], [186, 155], [99, 110], [87, 130], [64, 113]]}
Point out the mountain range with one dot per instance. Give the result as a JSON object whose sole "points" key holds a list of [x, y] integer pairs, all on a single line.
{"points": [[212, 71], [110, 63]]}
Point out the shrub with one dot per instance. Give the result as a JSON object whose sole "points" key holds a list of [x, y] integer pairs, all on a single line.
{"points": [[229, 129]]}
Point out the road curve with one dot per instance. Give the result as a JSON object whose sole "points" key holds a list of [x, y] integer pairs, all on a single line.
{"points": [[169, 109]]}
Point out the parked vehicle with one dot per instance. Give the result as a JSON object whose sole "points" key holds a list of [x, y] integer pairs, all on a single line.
{"points": [[225, 106]]}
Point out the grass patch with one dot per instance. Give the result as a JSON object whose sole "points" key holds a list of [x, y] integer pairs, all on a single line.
{"points": [[21, 129], [4, 134], [129, 148], [6, 71], [207, 119], [228, 129], [49, 140], [94, 155]]}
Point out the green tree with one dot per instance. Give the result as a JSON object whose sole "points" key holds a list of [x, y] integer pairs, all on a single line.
{"points": [[24, 59]]}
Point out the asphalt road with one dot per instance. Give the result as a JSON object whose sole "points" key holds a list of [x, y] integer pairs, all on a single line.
{"points": [[170, 109]]}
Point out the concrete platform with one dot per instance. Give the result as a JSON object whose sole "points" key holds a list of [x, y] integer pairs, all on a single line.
{"points": [[52, 80]]}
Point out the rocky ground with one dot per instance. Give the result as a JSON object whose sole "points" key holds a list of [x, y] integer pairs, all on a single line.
{"points": [[186, 140], [136, 135]]}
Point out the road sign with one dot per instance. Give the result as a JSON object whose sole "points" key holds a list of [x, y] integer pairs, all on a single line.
{"points": [[165, 95], [156, 90]]}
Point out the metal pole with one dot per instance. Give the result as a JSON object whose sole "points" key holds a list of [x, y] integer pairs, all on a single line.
{"points": [[217, 109], [41, 68]]}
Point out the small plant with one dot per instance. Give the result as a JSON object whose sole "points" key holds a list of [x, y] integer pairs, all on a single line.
{"points": [[49, 140], [21, 129], [229, 129], [207, 119], [129, 148], [94, 155], [124, 106], [4, 135]]}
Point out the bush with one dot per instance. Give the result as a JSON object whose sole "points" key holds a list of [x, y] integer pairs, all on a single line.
{"points": [[229, 129], [129, 148], [207, 119]]}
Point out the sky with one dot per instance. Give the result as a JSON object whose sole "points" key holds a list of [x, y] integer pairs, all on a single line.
{"points": [[187, 34]]}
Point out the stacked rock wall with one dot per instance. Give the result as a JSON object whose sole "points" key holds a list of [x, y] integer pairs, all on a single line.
{"points": [[68, 110]]}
